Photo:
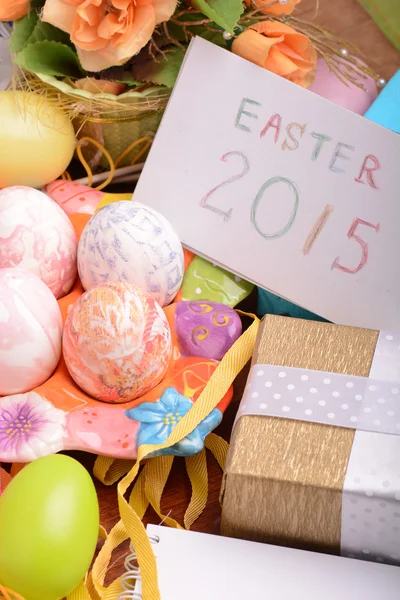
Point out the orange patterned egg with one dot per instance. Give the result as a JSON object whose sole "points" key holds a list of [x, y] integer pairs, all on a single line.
{"points": [[117, 342]]}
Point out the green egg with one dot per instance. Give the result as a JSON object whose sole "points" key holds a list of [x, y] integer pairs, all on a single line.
{"points": [[49, 523]]}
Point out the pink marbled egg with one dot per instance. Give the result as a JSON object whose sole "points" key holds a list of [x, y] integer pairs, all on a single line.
{"points": [[37, 236], [117, 342], [328, 85], [30, 332]]}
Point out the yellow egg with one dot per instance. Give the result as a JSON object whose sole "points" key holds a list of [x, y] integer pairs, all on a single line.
{"points": [[37, 140]]}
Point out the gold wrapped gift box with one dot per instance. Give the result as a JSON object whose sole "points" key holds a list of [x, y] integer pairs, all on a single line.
{"points": [[284, 478]]}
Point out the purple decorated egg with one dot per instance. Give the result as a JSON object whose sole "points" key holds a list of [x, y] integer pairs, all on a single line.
{"points": [[206, 329]]}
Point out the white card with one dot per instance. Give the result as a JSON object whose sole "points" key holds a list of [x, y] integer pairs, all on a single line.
{"points": [[281, 187], [196, 566]]}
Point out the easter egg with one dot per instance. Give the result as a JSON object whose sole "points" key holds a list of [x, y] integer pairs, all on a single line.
{"points": [[30, 331], [130, 242], [203, 329], [350, 96], [37, 139], [74, 197], [117, 342], [36, 235], [49, 521], [206, 281]]}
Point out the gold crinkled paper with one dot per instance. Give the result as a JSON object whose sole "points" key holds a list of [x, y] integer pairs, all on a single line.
{"points": [[283, 479]]}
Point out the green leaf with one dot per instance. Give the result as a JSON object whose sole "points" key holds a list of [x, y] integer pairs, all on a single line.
{"points": [[46, 32], [163, 72], [50, 58], [177, 33], [224, 13], [31, 29], [119, 75], [128, 79], [23, 29], [214, 37]]}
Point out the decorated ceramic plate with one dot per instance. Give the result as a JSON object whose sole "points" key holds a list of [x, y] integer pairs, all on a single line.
{"points": [[58, 415]]}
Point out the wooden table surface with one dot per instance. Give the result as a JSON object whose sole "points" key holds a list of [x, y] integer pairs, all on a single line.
{"points": [[347, 19]]}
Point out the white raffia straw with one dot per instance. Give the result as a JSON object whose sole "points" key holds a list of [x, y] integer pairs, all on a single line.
{"points": [[127, 178], [122, 175]]}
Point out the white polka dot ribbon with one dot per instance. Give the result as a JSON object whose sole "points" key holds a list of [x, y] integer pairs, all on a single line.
{"points": [[320, 397], [371, 493]]}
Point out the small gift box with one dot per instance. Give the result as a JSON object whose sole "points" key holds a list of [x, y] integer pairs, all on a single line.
{"points": [[314, 460]]}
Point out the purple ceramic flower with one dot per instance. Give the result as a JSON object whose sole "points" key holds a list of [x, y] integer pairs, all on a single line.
{"points": [[30, 427]]}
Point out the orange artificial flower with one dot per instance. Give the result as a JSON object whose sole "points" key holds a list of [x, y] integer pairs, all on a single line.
{"points": [[274, 8], [99, 86], [280, 49], [107, 33], [11, 10]]}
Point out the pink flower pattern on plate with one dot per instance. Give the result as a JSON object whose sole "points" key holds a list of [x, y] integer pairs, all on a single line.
{"points": [[96, 428], [30, 427]]}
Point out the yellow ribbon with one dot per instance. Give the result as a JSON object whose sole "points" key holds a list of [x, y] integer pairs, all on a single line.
{"points": [[80, 593], [8, 594], [218, 447], [151, 480], [108, 470], [196, 467], [132, 511], [148, 139]]}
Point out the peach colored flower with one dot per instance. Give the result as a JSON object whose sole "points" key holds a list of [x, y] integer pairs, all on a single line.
{"points": [[11, 10], [99, 86], [277, 8], [280, 49], [107, 33]]}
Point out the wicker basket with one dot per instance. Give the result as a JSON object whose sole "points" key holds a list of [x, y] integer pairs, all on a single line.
{"points": [[113, 121]]}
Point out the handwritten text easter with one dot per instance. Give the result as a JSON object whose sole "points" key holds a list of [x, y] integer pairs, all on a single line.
{"points": [[365, 173]]}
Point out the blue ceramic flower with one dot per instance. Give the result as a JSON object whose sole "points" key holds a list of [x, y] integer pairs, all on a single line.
{"points": [[158, 419]]}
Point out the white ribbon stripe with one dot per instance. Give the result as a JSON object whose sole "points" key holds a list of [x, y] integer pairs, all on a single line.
{"points": [[321, 397]]}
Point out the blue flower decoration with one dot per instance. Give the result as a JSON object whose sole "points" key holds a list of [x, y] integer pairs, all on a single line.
{"points": [[158, 419]]}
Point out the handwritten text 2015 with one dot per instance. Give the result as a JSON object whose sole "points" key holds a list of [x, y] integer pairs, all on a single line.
{"points": [[366, 175]]}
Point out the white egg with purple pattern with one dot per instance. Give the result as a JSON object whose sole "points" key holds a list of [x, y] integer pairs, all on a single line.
{"points": [[130, 242]]}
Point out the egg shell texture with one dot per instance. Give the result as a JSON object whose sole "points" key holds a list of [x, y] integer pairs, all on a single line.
{"points": [[74, 198], [205, 329], [36, 235], [117, 342], [30, 331], [205, 281], [346, 94], [37, 136], [130, 242], [49, 520]]}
